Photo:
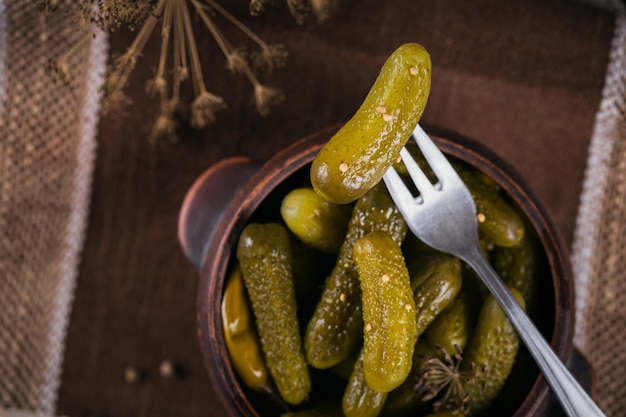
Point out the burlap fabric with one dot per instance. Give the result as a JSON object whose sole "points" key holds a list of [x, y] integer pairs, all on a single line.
{"points": [[47, 150], [599, 248]]}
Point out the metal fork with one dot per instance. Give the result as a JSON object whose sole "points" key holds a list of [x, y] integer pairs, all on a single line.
{"points": [[443, 215]]}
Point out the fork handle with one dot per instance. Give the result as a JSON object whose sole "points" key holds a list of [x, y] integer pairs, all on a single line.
{"points": [[573, 398]]}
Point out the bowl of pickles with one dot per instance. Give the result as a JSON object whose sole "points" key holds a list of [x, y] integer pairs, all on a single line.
{"points": [[316, 300]]}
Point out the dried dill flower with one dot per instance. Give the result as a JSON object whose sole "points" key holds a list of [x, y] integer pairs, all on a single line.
{"points": [[299, 9], [270, 57], [179, 59], [108, 14], [266, 97], [165, 127], [442, 380], [323, 9], [203, 109]]}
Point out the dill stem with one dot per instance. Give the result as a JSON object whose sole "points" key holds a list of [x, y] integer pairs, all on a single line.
{"points": [[178, 78], [238, 24], [221, 41], [137, 46], [219, 37], [193, 51], [166, 28], [179, 36]]}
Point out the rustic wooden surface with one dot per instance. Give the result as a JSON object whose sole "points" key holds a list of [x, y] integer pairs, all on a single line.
{"points": [[523, 77]]}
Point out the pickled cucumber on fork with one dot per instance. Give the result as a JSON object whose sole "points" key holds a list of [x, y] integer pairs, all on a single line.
{"points": [[390, 325], [335, 329], [359, 154], [264, 256]]}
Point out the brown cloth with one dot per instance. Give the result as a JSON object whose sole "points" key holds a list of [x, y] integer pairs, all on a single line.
{"points": [[523, 77]]}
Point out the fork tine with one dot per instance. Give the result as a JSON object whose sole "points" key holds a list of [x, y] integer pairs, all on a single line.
{"points": [[437, 161], [398, 191], [421, 181]]}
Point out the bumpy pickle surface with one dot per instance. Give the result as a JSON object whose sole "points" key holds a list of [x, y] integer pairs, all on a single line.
{"points": [[390, 325], [436, 281], [264, 255], [336, 327], [491, 352], [358, 155]]}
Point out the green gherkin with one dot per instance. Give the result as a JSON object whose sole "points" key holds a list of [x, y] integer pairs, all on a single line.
{"points": [[359, 154], [265, 259], [388, 311], [491, 353], [436, 282], [318, 223], [359, 399], [498, 222], [452, 328], [335, 329]]}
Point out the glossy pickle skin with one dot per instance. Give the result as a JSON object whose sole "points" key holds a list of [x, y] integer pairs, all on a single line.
{"points": [[451, 329], [335, 329], [264, 256], [358, 155], [390, 324], [240, 334], [359, 399], [436, 283], [491, 351], [318, 223], [502, 225]]}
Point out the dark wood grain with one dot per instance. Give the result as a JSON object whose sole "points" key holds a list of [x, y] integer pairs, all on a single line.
{"points": [[522, 77]]}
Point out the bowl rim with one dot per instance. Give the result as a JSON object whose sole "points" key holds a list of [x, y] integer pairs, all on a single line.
{"points": [[294, 157]]}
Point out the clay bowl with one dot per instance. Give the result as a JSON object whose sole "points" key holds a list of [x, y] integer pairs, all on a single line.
{"points": [[237, 190]]}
